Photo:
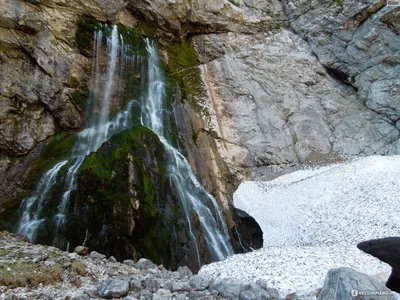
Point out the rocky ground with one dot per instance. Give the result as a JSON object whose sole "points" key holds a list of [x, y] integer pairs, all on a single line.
{"points": [[42, 272], [30, 271]]}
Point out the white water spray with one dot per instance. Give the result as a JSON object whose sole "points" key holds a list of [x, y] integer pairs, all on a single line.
{"points": [[194, 198]]}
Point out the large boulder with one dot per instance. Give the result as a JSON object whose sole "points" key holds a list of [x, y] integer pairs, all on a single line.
{"points": [[388, 251], [346, 283]]}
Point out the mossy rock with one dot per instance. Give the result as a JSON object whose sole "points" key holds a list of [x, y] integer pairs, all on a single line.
{"points": [[125, 202], [80, 98], [134, 39], [183, 71], [58, 148], [85, 29]]}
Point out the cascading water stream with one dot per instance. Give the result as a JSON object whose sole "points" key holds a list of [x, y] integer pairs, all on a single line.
{"points": [[196, 202], [98, 131], [30, 219], [194, 198]]}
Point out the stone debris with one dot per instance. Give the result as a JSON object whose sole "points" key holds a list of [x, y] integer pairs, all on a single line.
{"points": [[81, 250], [96, 277], [114, 288]]}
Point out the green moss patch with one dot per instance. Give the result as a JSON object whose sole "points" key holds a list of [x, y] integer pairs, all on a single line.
{"points": [[85, 29], [134, 39], [80, 98], [182, 70]]}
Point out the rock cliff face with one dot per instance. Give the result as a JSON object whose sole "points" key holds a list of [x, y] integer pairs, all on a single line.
{"points": [[264, 86], [274, 98], [271, 103]]}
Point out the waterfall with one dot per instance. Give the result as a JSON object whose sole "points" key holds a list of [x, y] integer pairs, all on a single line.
{"points": [[194, 198], [98, 130], [100, 126], [30, 220]]}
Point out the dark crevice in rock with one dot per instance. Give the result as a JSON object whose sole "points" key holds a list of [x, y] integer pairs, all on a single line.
{"points": [[250, 235], [340, 76], [211, 31]]}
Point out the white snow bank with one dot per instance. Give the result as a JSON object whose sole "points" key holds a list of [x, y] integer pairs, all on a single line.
{"points": [[312, 221], [294, 269]]}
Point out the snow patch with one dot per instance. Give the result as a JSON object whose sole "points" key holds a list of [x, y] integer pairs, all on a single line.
{"points": [[312, 221]]}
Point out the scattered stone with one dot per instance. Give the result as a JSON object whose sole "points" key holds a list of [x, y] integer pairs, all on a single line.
{"points": [[80, 297], [339, 284], [258, 292], [151, 284], [162, 295], [152, 271], [73, 256], [292, 296], [177, 296], [228, 287], [184, 272], [181, 285], [199, 282], [273, 293], [129, 262], [81, 250], [114, 288], [49, 263], [262, 283], [91, 280], [201, 295], [111, 259], [43, 257], [247, 295], [97, 256], [388, 251], [145, 295], [53, 249], [145, 264], [40, 258], [169, 284], [135, 284]]}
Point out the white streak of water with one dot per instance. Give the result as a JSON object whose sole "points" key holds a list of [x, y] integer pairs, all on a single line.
{"points": [[33, 205], [194, 198]]}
